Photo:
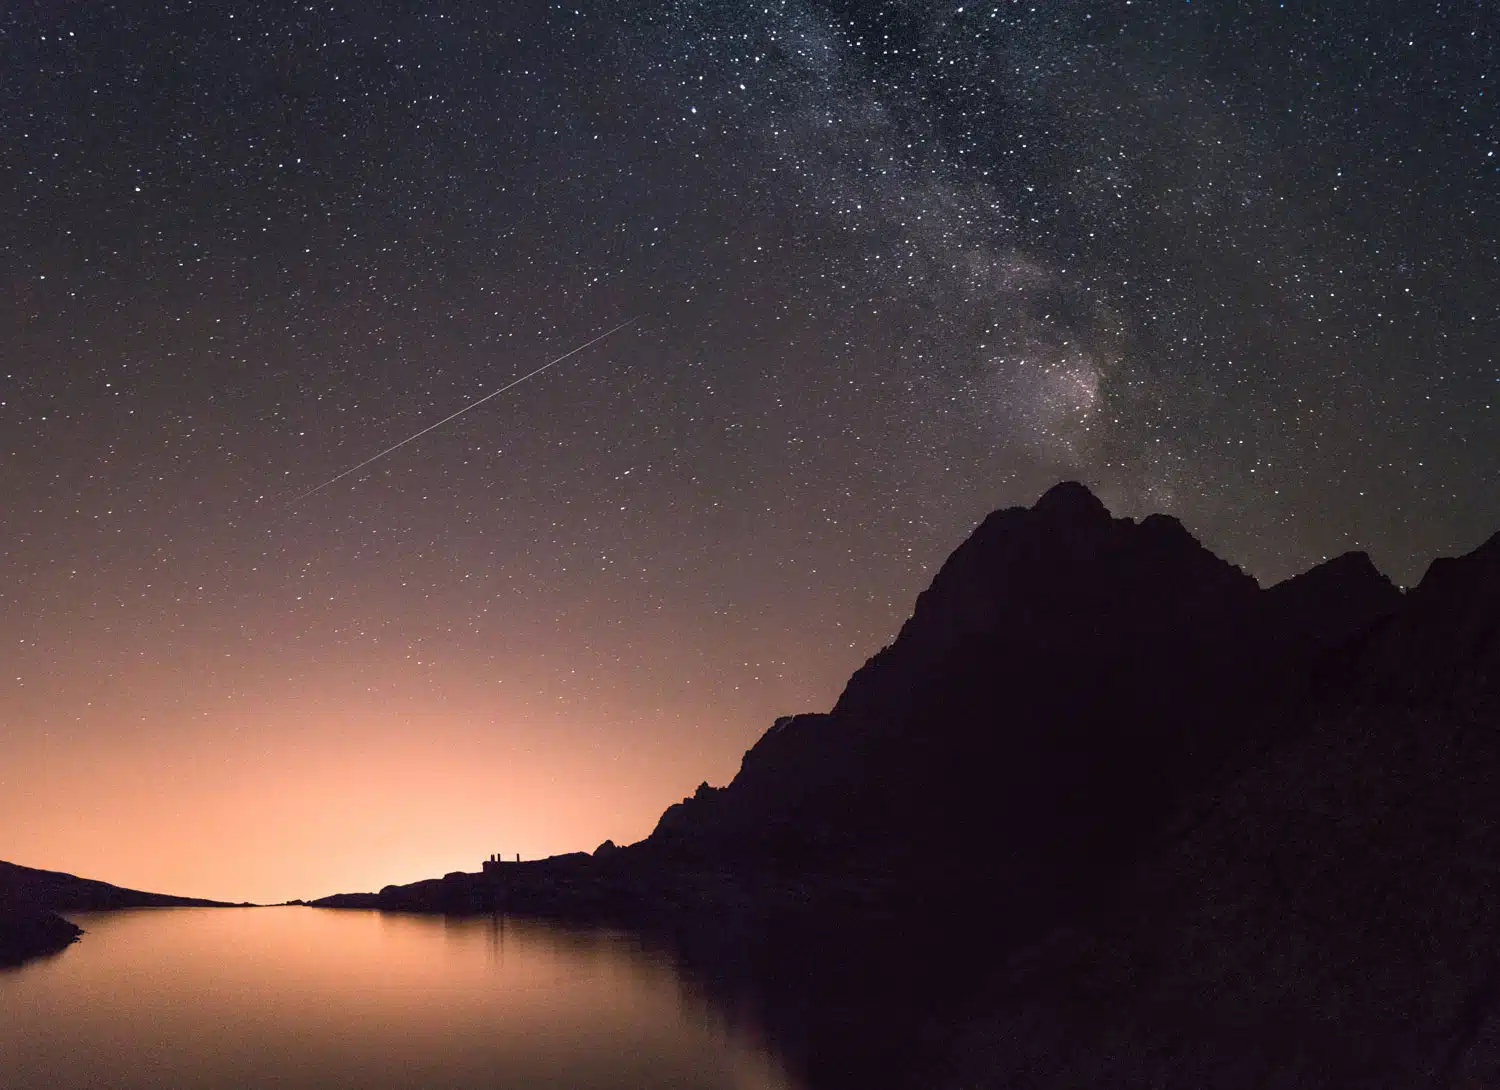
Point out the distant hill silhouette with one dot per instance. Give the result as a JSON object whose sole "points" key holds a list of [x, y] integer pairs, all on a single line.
{"points": [[30, 900], [1104, 813], [59, 892]]}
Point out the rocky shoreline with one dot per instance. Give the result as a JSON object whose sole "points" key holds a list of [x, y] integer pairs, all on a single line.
{"points": [[28, 933]]}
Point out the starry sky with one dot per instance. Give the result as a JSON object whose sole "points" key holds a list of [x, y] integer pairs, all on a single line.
{"points": [[891, 265]]}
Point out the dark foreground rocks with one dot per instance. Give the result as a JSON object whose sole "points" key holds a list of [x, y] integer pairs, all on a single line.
{"points": [[29, 933]]}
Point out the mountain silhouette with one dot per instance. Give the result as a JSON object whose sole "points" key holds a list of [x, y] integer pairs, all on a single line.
{"points": [[1041, 713], [1104, 813], [59, 892], [1325, 918]]}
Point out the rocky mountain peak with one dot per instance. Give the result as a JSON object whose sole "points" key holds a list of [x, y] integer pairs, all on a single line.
{"points": [[1073, 500], [1334, 599], [1444, 644]]}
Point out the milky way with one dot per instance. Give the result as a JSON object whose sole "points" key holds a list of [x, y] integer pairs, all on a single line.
{"points": [[894, 265]]}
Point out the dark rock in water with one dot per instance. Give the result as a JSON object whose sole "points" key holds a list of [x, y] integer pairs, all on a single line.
{"points": [[1131, 819], [29, 933]]}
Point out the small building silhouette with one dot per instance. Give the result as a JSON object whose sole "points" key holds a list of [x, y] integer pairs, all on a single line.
{"points": [[492, 864]]}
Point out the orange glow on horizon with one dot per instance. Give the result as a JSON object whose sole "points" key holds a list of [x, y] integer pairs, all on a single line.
{"points": [[309, 790]]}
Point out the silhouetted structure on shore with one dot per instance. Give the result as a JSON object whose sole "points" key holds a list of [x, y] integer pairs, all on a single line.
{"points": [[493, 864]]}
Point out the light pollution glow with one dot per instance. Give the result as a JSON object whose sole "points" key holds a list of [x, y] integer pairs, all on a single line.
{"points": [[296, 794]]}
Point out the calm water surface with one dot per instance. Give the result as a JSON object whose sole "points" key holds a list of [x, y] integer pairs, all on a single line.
{"points": [[194, 999]]}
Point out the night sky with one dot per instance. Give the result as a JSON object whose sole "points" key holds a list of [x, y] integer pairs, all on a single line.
{"points": [[892, 265]]}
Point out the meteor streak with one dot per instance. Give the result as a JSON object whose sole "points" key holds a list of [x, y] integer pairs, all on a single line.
{"points": [[472, 405]]}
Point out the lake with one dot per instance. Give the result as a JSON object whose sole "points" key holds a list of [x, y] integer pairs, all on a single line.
{"points": [[213, 999]]}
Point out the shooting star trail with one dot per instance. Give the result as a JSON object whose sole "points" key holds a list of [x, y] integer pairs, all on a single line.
{"points": [[454, 416]]}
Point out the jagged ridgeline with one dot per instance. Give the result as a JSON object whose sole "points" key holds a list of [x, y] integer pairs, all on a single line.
{"points": [[1063, 681]]}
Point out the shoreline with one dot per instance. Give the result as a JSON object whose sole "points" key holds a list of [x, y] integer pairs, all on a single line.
{"points": [[27, 934]]}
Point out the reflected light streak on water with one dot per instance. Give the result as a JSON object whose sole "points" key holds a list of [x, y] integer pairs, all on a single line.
{"points": [[212, 999]]}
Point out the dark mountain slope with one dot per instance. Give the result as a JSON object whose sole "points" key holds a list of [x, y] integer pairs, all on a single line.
{"points": [[1443, 648], [58, 892], [1063, 681], [1331, 601], [1329, 919]]}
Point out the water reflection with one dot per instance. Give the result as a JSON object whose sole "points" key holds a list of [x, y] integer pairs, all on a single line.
{"points": [[294, 997]]}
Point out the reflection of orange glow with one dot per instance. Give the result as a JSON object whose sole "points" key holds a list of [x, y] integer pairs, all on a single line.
{"points": [[308, 997]]}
